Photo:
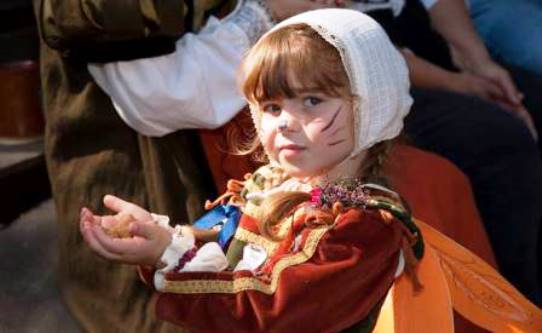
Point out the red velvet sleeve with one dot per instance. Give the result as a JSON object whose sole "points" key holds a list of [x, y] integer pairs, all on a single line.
{"points": [[333, 282]]}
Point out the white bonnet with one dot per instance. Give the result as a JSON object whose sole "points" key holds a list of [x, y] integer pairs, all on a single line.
{"points": [[377, 72]]}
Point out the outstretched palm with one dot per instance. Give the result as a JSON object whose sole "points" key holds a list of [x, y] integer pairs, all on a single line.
{"points": [[148, 240]]}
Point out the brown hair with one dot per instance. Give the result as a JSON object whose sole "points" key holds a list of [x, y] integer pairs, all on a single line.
{"points": [[287, 60], [291, 58]]}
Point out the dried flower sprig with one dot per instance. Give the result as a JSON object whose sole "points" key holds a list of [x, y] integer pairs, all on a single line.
{"points": [[350, 192]]}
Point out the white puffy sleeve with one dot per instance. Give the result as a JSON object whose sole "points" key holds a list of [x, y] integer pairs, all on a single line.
{"points": [[194, 87]]}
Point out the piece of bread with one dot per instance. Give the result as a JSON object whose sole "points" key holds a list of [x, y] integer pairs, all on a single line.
{"points": [[121, 228]]}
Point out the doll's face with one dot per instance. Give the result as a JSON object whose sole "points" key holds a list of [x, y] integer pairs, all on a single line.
{"points": [[309, 134]]}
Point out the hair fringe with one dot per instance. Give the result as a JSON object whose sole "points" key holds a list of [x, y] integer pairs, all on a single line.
{"points": [[293, 51]]}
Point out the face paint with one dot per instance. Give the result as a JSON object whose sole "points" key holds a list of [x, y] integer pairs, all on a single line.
{"points": [[328, 126], [308, 134]]}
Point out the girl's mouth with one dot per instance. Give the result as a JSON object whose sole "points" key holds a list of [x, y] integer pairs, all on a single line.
{"points": [[291, 149]]}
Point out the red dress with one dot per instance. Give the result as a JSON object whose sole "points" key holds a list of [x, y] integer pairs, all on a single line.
{"points": [[330, 282], [329, 277]]}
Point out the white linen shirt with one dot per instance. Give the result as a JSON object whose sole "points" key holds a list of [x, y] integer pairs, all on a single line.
{"points": [[193, 87]]}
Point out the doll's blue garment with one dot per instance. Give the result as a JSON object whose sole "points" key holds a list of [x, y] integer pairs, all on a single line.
{"points": [[226, 217]]}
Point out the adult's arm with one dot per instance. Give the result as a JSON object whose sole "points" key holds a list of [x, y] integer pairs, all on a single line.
{"points": [[451, 19], [194, 87], [426, 75]]}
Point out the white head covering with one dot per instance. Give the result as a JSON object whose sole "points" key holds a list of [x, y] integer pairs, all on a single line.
{"points": [[377, 72]]}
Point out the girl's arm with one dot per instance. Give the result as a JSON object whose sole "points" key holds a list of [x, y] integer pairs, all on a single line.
{"points": [[331, 284], [140, 239], [336, 278]]}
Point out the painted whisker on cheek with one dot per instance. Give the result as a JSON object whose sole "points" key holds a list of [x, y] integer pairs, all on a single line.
{"points": [[332, 121], [336, 131], [331, 144]]}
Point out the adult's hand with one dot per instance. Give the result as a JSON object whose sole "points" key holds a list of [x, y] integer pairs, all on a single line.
{"points": [[490, 90], [470, 84], [282, 9], [524, 115], [493, 72], [510, 97]]}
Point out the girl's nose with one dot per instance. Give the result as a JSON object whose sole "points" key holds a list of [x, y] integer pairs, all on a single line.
{"points": [[287, 121], [283, 125]]}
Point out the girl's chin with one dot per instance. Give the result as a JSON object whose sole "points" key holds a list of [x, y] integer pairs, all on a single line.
{"points": [[296, 172], [300, 172]]}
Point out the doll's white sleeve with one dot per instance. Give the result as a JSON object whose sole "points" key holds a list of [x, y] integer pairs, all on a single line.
{"points": [[182, 255], [193, 87]]}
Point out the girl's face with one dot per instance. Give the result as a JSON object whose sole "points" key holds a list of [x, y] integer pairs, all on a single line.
{"points": [[308, 134]]}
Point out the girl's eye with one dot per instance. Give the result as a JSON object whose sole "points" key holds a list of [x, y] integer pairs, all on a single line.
{"points": [[272, 108], [311, 101]]}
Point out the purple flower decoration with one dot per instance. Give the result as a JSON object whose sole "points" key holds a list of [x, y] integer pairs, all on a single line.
{"points": [[349, 192]]}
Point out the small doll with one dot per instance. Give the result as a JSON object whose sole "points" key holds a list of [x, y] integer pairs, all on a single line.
{"points": [[314, 241]]}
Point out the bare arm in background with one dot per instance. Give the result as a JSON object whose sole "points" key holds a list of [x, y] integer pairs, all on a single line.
{"points": [[451, 19], [424, 74], [480, 75]]}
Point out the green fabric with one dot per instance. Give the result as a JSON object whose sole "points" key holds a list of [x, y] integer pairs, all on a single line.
{"points": [[105, 21], [235, 252], [103, 31], [91, 152], [406, 218], [121, 18]]}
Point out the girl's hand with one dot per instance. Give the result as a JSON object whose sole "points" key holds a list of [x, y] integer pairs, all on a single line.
{"points": [[123, 207], [146, 245]]}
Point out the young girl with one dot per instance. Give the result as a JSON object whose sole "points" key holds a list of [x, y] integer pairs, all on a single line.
{"points": [[319, 244]]}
